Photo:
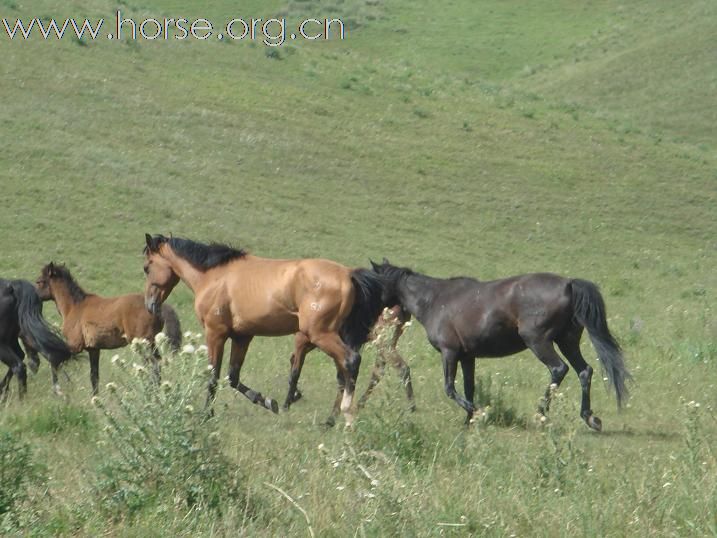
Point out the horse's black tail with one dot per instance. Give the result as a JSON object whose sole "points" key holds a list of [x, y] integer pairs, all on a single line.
{"points": [[589, 311], [366, 308], [172, 327], [33, 325]]}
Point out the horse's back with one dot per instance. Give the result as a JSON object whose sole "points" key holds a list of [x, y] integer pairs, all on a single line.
{"points": [[486, 317], [110, 322], [265, 296]]}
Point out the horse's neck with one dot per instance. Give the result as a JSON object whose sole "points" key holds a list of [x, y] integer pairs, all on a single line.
{"points": [[194, 278], [63, 299], [416, 292]]}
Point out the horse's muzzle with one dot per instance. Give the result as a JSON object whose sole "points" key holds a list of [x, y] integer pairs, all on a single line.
{"points": [[152, 305]]}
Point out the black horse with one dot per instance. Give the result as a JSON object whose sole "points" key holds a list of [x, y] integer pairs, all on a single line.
{"points": [[21, 317], [466, 319]]}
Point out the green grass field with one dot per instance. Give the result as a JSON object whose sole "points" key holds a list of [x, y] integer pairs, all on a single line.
{"points": [[482, 138]]}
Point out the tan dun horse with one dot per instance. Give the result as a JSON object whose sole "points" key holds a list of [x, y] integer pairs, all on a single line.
{"points": [[92, 323], [239, 296]]}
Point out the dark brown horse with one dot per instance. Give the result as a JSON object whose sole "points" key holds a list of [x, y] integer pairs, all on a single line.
{"points": [[240, 296], [21, 317], [92, 323], [465, 319]]}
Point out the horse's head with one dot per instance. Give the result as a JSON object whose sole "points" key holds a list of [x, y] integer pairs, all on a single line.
{"points": [[390, 275], [161, 277], [43, 284]]}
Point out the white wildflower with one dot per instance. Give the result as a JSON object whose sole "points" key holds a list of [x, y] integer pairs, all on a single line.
{"points": [[188, 348], [160, 338], [112, 387]]}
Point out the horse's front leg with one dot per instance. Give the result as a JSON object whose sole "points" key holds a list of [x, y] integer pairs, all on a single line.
{"points": [[450, 364], [302, 345], [468, 368], [94, 369], [215, 349], [240, 345]]}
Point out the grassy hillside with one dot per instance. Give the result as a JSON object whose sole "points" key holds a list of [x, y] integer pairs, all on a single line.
{"points": [[479, 138]]}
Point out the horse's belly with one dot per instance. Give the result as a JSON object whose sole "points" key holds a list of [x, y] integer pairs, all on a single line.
{"points": [[100, 337], [269, 325], [497, 345]]}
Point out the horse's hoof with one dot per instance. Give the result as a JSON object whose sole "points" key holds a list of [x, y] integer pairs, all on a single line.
{"points": [[412, 408], [330, 422], [297, 396], [594, 422], [273, 405]]}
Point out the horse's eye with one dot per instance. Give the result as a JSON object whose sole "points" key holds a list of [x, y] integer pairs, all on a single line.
{"points": [[146, 269]]}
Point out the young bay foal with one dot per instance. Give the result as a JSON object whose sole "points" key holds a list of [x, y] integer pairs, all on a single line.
{"points": [[238, 296], [91, 322], [465, 319]]}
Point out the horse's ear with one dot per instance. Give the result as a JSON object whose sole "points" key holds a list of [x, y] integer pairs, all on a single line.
{"points": [[148, 239], [386, 262], [51, 269], [374, 265]]}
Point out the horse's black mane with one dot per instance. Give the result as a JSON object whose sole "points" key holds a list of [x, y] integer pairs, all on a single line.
{"points": [[392, 273], [60, 271], [202, 256]]}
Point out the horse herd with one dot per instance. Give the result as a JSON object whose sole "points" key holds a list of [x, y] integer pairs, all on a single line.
{"points": [[324, 305]]}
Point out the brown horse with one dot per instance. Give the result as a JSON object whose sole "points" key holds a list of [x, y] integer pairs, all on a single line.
{"points": [[92, 323], [239, 296]]}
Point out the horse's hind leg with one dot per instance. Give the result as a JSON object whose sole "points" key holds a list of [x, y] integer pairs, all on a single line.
{"points": [[348, 362], [544, 350], [240, 345], [569, 344], [302, 346]]}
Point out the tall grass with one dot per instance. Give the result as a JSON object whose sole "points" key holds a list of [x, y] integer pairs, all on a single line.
{"points": [[160, 449]]}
